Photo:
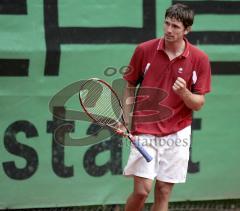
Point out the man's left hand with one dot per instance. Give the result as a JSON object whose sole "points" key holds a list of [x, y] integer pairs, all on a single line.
{"points": [[180, 87]]}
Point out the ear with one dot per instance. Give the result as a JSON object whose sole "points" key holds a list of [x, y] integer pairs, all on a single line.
{"points": [[187, 30]]}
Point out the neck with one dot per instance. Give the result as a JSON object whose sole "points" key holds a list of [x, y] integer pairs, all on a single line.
{"points": [[175, 47]]}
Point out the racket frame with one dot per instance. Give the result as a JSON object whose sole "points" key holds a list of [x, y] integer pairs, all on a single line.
{"points": [[139, 147]]}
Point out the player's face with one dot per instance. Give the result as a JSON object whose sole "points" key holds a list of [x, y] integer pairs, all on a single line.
{"points": [[174, 30]]}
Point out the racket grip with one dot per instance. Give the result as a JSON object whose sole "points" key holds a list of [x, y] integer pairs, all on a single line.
{"points": [[140, 148]]}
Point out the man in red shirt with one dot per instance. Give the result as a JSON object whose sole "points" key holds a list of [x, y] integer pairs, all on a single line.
{"points": [[173, 76]]}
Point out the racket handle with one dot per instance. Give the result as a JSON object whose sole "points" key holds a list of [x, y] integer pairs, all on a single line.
{"points": [[140, 148]]}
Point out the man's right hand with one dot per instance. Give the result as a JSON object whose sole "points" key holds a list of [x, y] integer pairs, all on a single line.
{"points": [[121, 129]]}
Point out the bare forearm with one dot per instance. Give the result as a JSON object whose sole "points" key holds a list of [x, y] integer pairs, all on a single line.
{"points": [[192, 101]]}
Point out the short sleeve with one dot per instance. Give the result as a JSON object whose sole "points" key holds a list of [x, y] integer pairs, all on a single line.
{"points": [[134, 73], [201, 78]]}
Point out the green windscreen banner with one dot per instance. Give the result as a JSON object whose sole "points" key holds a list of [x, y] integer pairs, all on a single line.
{"points": [[48, 48]]}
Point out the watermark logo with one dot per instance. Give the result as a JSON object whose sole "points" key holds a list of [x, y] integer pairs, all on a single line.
{"points": [[148, 109]]}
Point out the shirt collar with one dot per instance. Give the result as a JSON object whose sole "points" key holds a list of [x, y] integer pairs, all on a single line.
{"points": [[185, 53]]}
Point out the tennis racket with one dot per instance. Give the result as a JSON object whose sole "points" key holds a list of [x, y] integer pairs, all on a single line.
{"points": [[101, 103]]}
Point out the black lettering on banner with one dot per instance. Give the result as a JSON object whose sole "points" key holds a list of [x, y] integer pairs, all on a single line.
{"points": [[13, 67], [225, 68], [14, 147], [194, 167], [63, 128], [214, 37], [56, 35], [113, 146], [13, 7]]}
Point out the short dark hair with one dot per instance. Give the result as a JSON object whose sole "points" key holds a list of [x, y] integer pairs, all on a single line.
{"points": [[181, 12]]}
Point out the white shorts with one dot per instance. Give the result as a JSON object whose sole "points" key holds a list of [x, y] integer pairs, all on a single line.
{"points": [[170, 157]]}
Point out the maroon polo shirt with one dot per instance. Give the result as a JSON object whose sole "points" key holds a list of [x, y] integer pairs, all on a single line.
{"points": [[158, 109]]}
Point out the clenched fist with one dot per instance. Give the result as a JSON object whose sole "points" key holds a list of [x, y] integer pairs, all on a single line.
{"points": [[180, 87]]}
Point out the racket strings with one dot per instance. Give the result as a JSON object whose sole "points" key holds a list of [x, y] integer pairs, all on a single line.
{"points": [[100, 102], [98, 109]]}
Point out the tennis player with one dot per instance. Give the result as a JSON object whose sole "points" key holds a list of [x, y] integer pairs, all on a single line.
{"points": [[172, 77]]}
